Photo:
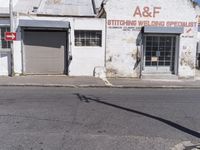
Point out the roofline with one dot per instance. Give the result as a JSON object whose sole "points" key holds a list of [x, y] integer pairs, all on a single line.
{"points": [[50, 15], [5, 15], [102, 10]]}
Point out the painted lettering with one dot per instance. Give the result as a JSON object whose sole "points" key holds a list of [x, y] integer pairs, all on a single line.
{"points": [[156, 10], [122, 22], [146, 12], [129, 24], [137, 12], [180, 24]]}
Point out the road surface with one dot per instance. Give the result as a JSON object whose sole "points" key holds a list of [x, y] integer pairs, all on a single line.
{"points": [[42, 118]]}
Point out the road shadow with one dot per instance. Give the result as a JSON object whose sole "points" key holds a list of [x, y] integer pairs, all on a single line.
{"points": [[86, 99]]}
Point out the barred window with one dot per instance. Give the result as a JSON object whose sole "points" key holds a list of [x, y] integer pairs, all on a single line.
{"points": [[88, 38], [3, 43]]}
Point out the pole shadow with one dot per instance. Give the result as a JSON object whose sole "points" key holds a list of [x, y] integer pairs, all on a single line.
{"points": [[86, 99]]}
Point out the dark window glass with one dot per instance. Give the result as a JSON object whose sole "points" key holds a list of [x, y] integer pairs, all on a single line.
{"points": [[149, 38], [167, 63], [147, 63], [88, 38], [148, 58], [154, 63], [4, 44], [161, 63]]}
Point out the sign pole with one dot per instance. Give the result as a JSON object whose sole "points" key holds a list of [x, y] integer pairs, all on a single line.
{"points": [[11, 42]]}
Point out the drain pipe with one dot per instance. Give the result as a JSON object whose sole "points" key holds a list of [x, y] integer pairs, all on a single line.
{"points": [[94, 7]]}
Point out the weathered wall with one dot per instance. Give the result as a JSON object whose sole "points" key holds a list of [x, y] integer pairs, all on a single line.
{"points": [[5, 4], [85, 59], [123, 28], [4, 53], [5, 67], [5, 63]]}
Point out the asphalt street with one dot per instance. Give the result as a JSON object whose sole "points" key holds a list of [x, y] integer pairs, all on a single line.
{"points": [[43, 118]]}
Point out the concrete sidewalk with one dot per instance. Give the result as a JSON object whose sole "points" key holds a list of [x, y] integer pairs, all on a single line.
{"points": [[155, 83], [80, 82], [54, 81]]}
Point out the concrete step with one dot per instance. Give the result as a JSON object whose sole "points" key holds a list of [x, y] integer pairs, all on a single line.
{"points": [[159, 76]]}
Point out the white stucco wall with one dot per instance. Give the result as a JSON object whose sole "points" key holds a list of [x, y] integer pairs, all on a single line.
{"points": [[5, 63], [121, 49], [4, 53], [5, 3], [85, 59]]}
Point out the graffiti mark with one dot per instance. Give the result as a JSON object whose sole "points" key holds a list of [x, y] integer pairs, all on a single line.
{"points": [[189, 30]]}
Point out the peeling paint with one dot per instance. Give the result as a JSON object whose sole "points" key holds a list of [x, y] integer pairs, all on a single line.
{"points": [[128, 44], [48, 2], [111, 72], [129, 40], [187, 58], [110, 59], [134, 54]]}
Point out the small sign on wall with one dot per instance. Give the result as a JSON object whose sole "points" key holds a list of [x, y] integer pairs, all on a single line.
{"points": [[154, 59]]}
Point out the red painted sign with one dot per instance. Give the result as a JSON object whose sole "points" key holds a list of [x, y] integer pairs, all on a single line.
{"points": [[146, 12], [10, 36]]}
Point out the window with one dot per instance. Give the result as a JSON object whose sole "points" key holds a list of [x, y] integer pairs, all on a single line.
{"points": [[4, 44], [88, 38]]}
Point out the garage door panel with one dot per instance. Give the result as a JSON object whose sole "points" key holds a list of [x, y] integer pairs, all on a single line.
{"points": [[53, 39], [45, 52]]}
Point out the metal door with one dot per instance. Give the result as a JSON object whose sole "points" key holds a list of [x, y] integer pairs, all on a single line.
{"points": [[159, 53], [45, 52]]}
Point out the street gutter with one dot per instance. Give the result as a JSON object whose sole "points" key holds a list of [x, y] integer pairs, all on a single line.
{"points": [[101, 86]]}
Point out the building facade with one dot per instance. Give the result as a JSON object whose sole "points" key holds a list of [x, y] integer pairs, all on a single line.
{"points": [[150, 37], [122, 38], [4, 45], [58, 38]]}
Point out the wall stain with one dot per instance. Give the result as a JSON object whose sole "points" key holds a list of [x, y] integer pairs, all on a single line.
{"points": [[129, 40], [111, 72], [110, 59], [186, 57], [53, 2]]}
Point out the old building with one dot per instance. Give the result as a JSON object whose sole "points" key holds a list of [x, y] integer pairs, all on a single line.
{"points": [[57, 37], [121, 38], [150, 37], [4, 46]]}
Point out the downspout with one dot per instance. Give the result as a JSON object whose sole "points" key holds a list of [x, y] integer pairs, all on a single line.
{"points": [[94, 6]]}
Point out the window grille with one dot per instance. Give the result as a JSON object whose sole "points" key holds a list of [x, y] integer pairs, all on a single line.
{"points": [[88, 38], [3, 43]]}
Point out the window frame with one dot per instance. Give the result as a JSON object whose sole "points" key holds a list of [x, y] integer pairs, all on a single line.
{"points": [[2, 38], [87, 40]]}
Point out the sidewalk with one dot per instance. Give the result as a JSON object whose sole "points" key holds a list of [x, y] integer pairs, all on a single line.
{"points": [[81, 82], [52, 81], [143, 83]]}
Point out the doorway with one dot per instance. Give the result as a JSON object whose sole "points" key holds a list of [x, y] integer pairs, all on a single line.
{"points": [[45, 52], [160, 54]]}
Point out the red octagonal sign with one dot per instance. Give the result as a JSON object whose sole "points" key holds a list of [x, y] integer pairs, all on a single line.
{"points": [[10, 36]]}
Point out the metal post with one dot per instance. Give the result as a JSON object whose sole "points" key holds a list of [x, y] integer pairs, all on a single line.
{"points": [[11, 42]]}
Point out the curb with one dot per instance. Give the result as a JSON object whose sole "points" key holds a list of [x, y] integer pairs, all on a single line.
{"points": [[101, 86]]}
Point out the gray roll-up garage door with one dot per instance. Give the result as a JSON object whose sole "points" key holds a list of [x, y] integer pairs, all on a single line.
{"points": [[45, 52]]}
